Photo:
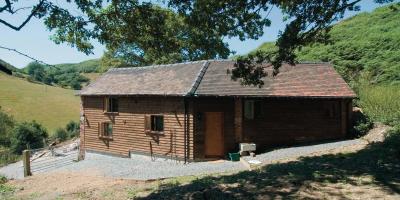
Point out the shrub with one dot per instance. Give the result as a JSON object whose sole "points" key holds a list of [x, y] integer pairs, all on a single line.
{"points": [[361, 124], [61, 134], [28, 135], [73, 129], [6, 125]]}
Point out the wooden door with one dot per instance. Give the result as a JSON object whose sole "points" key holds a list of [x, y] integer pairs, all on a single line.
{"points": [[214, 138]]}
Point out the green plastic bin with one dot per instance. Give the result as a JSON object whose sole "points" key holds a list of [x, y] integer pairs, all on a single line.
{"points": [[234, 156]]}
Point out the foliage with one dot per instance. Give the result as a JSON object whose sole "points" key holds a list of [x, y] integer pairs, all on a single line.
{"points": [[87, 66], [5, 189], [60, 134], [28, 135], [381, 102], [65, 77], [7, 156], [361, 124], [7, 123], [362, 48], [177, 30], [51, 106], [73, 129], [36, 71]]}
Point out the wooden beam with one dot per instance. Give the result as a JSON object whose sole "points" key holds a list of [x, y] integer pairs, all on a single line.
{"points": [[344, 117], [238, 120]]}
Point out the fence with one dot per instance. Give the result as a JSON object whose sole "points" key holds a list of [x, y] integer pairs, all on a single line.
{"points": [[48, 159]]}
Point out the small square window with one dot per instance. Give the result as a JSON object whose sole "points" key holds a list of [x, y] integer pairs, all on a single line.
{"points": [[154, 124], [111, 104]]}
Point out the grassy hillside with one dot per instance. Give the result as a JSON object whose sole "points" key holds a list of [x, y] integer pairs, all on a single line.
{"points": [[365, 46], [87, 66], [51, 106], [9, 66]]}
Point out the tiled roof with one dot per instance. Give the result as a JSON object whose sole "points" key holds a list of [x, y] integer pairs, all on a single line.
{"points": [[301, 80], [174, 79], [210, 78]]}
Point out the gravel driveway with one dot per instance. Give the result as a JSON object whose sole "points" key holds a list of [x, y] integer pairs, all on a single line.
{"points": [[144, 168]]}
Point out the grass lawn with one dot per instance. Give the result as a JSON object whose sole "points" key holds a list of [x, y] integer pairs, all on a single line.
{"points": [[51, 106]]}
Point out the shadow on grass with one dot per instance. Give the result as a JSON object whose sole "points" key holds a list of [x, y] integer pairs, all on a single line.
{"points": [[380, 161]]}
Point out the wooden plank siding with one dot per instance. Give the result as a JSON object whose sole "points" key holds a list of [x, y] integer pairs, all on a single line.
{"points": [[290, 121], [128, 126]]}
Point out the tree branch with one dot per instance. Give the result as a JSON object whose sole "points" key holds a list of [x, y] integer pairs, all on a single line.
{"points": [[7, 6], [17, 28]]}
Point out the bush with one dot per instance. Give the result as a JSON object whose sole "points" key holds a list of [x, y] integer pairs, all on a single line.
{"points": [[6, 125], [361, 124], [73, 129], [61, 134], [28, 135]]}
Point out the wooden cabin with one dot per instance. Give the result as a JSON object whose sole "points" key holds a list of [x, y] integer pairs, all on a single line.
{"points": [[194, 111]]}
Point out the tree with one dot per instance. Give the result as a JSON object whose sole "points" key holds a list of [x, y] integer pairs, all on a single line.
{"points": [[36, 71], [143, 33], [28, 135]]}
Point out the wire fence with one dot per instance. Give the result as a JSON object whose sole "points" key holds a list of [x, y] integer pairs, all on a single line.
{"points": [[48, 159]]}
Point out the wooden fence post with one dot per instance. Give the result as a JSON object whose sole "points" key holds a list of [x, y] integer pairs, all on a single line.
{"points": [[26, 159]]}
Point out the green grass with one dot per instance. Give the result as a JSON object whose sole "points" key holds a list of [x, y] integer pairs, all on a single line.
{"points": [[381, 103], [51, 106]]}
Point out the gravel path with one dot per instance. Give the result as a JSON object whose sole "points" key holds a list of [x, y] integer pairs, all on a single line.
{"points": [[293, 152], [144, 168]]}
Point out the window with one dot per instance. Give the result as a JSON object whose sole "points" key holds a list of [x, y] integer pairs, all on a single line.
{"points": [[106, 130], [332, 109], [154, 124], [111, 105], [253, 109]]}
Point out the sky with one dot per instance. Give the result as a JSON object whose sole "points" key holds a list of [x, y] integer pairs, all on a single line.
{"points": [[34, 40]]}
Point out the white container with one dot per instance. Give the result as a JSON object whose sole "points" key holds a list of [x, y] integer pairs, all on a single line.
{"points": [[247, 147]]}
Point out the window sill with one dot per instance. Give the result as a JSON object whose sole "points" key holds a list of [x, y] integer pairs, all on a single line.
{"points": [[154, 132], [111, 113], [105, 138]]}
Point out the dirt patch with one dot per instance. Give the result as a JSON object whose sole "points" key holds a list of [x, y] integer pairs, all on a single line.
{"points": [[377, 133], [71, 186]]}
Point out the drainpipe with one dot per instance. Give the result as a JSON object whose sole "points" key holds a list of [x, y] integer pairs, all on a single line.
{"points": [[185, 125]]}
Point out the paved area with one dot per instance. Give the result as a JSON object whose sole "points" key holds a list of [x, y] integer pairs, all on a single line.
{"points": [[145, 168]]}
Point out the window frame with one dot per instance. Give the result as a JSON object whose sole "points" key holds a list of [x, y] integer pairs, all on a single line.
{"points": [[149, 124], [255, 115], [108, 105], [103, 128]]}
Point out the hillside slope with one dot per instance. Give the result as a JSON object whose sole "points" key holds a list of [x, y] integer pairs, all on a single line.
{"points": [[365, 46], [8, 65], [87, 66], [51, 106]]}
